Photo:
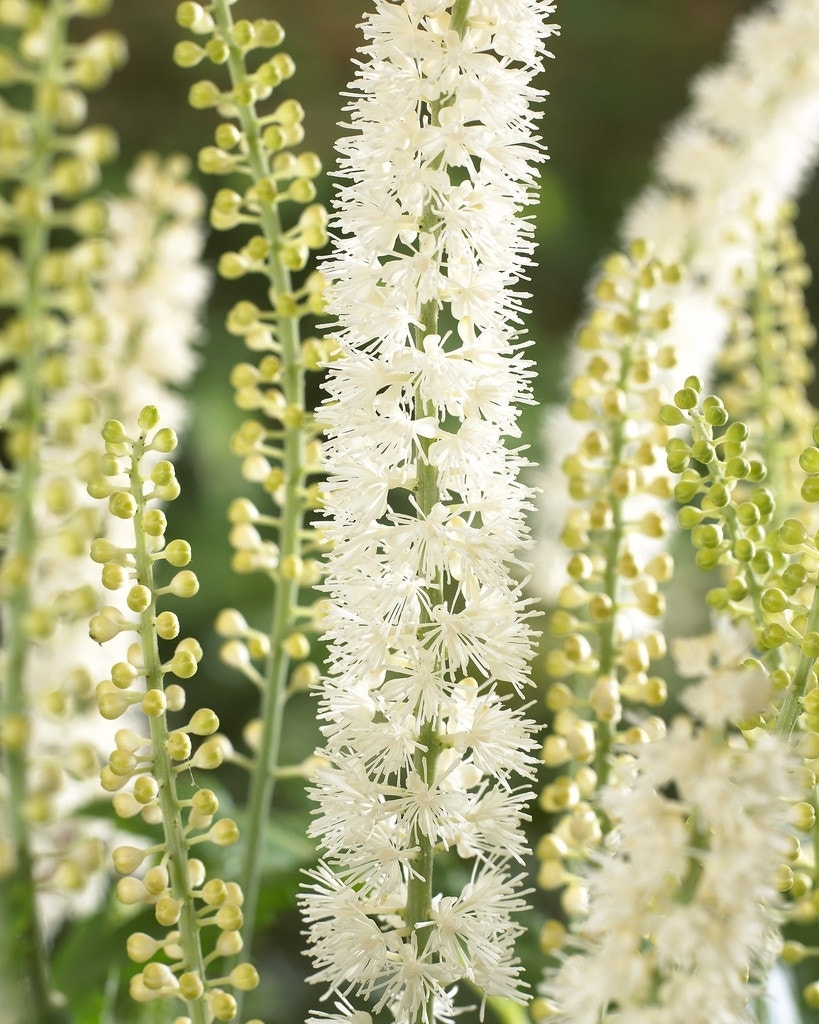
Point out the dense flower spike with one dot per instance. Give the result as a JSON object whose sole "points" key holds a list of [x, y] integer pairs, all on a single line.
{"points": [[427, 626], [767, 362], [278, 444], [606, 623], [152, 289], [149, 770], [683, 900]]}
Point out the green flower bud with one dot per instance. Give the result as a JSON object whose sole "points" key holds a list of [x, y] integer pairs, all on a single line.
{"points": [[167, 626], [269, 33], [141, 947], [204, 722], [205, 802], [685, 398], [139, 598], [245, 977], [154, 703], [229, 917], [187, 54], [179, 745], [184, 584], [810, 489], [203, 95], [127, 859], [792, 534], [222, 1004]]}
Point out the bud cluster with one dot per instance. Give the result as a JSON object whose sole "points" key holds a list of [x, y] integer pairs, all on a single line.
{"points": [[51, 252], [605, 624], [766, 357], [769, 566], [150, 763], [278, 444]]}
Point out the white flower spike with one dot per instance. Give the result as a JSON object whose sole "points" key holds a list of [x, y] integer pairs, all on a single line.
{"points": [[428, 629]]}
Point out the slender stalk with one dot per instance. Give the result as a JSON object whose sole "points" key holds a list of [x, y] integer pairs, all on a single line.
{"points": [[23, 954], [274, 692], [792, 704], [176, 847], [420, 885]]}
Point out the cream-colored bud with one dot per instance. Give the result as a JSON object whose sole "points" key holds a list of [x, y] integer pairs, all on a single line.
{"points": [[141, 947], [224, 832], [167, 911], [245, 977], [127, 859], [130, 891]]}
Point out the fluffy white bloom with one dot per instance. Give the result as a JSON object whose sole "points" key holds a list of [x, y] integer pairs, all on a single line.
{"points": [[742, 149], [427, 625], [683, 902], [153, 288]]}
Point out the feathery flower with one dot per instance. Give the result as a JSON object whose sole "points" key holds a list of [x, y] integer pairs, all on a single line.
{"points": [[426, 623], [684, 901]]}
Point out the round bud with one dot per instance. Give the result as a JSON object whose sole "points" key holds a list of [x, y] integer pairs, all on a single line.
{"points": [[154, 703], [224, 832], [154, 522], [245, 977], [167, 626], [127, 859], [167, 911], [178, 552], [122, 505]]}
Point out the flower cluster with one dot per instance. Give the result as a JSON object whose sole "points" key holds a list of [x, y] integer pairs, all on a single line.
{"points": [[727, 166], [149, 768], [52, 250], [152, 288], [766, 359], [741, 150], [683, 901], [427, 626], [605, 625]]}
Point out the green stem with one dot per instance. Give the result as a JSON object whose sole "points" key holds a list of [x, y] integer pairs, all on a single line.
{"points": [[792, 704], [427, 492], [605, 730], [176, 847], [274, 694], [23, 964]]}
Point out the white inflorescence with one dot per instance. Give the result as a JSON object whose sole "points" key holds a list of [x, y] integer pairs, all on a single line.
{"points": [[427, 626], [683, 904]]}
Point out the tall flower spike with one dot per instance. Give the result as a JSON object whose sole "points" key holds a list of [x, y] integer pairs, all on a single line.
{"points": [[427, 626], [50, 162], [606, 625], [767, 361], [149, 770], [278, 444]]}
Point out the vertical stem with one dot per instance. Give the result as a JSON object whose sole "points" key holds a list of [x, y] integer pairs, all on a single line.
{"points": [[274, 694], [420, 885], [23, 954], [175, 845]]}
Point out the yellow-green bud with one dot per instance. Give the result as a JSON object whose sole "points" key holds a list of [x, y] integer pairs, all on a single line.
{"points": [[224, 832]]}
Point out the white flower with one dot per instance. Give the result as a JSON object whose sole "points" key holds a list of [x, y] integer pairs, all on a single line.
{"points": [[683, 902], [426, 623]]}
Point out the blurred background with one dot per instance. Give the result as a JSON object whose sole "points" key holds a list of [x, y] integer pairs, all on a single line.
{"points": [[620, 74]]}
